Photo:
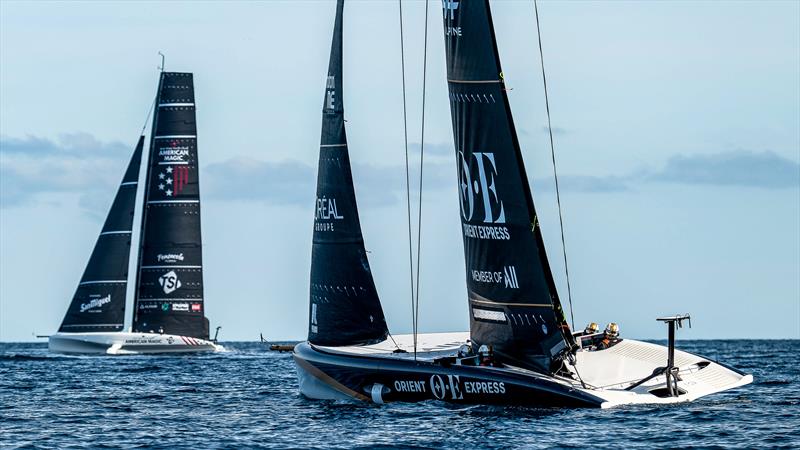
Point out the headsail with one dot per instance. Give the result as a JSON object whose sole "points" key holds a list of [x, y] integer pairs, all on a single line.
{"points": [[344, 307], [169, 290], [514, 305], [99, 301]]}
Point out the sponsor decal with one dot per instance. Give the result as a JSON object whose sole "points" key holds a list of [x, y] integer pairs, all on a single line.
{"points": [[455, 389], [172, 180], [484, 187], [484, 387], [330, 93], [174, 152], [95, 302], [144, 340], [508, 277], [510, 273], [409, 386], [180, 307], [326, 210], [450, 7], [170, 257], [148, 305], [165, 307], [170, 340], [197, 307], [169, 282]]}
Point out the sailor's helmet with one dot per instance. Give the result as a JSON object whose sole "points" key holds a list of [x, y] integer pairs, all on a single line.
{"points": [[612, 330]]}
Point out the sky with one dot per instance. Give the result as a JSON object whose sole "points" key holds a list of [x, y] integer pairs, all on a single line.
{"points": [[676, 126]]}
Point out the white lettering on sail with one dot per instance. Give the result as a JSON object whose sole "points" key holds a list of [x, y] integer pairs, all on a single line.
{"points": [[170, 257], [327, 210], [450, 7], [95, 303], [330, 93]]}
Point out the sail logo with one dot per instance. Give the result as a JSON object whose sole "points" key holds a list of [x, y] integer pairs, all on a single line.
{"points": [[95, 303], [510, 277], [172, 181], [484, 188], [326, 211], [449, 8], [330, 93], [169, 282], [170, 257], [180, 307], [455, 389], [173, 153]]}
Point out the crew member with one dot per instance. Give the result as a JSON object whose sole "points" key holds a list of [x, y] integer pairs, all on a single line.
{"points": [[485, 355], [587, 336], [610, 337]]}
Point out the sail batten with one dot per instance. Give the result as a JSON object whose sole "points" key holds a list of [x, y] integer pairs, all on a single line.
{"points": [[514, 304], [99, 301], [169, 287], [344, 304]]}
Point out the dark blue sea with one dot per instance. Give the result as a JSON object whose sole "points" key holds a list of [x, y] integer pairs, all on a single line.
{"points": [[247, 398]]}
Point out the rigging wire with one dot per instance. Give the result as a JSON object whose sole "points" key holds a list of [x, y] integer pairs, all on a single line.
{"points": [[553, 155], [153, 105], [421, 161], [408, 182]]}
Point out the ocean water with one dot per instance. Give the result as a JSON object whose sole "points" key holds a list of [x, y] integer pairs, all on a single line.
{"points": [[247, 398]]}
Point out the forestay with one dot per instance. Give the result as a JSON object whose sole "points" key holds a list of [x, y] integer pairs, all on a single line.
{"points": [[514, 305], [169, 291], [344, 307], [99, 301]]}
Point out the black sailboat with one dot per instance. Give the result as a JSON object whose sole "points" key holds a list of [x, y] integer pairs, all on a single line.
{"points": [[168, 313], [520, 349], [169, 286]]}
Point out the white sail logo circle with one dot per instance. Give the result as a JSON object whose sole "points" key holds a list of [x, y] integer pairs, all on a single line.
{"points": [[169, 282]]}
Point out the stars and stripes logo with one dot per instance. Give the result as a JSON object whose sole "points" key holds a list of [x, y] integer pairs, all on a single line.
{"points": [[172, 180]]}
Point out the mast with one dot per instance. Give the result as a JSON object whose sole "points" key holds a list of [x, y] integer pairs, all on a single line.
{"points": [[99, 300], [344, 305], [514, 304], [169, 287]]}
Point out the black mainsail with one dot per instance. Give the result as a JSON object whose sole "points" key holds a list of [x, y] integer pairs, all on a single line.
{"points": [[514, 305], [99, 301], [344, 307], [169, 287]]}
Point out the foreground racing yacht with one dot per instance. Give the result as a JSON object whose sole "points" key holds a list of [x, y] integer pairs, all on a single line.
{"points": [[168, 308], [515, 311]]}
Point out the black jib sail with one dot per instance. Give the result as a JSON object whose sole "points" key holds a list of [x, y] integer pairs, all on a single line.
{"points": [[345, 308], [169, 287], [99, 301], [514, 304]]}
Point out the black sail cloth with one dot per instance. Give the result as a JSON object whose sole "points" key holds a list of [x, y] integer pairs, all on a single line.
{"points": [[99, 302], [169, 291], [514, 304], [344, 304]]}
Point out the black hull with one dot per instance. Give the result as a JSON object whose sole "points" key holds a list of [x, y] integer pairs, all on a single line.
{"points": [[400, 379]]}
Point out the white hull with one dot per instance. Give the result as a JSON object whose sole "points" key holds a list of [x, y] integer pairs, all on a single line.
{"points": [[608, 375], [123, 343]]}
